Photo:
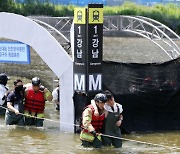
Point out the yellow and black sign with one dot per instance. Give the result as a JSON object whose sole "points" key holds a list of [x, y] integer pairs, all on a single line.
{"points": [[95, 15], [80, 49], [94, 49], [80, 15], [88, 51]]}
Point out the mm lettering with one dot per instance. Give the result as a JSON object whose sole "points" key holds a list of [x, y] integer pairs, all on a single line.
{"points": [[79, 82], [95, 82]]}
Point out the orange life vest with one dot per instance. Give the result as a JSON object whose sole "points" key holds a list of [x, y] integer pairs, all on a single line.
{"points": [[34, 101], [97, 121]]}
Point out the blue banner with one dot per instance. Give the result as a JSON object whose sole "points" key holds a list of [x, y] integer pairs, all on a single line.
{"points": [[14, 52]]}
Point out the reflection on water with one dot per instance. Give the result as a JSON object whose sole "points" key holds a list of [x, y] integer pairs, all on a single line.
{"points": [[49, 139]]}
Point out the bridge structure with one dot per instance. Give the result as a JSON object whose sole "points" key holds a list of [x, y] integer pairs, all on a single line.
{"points": [[158, 33]]}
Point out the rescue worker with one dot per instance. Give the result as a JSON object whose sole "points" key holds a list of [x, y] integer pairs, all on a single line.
{"points": [[92, 125], [35, 97], [56, 97], [15, 105], [113, 120], [3, 92]]}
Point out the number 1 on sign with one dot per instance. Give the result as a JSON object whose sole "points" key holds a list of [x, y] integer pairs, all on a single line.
{"points": [[79, 28], [95, 29]]}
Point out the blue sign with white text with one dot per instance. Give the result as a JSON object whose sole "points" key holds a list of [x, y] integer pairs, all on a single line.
{"points": [[14, 52]]}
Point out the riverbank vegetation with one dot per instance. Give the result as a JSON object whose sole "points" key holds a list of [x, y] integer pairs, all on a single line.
{"points": [[167, 14]]}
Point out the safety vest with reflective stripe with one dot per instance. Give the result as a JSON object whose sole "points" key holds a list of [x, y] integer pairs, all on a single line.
{"points": [[97, 123], [34, 101]]}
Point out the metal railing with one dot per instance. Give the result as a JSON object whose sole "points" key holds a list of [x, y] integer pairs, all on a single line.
{"points": [[156, 32]]}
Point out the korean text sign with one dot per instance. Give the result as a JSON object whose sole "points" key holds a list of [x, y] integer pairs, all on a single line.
{"points": [[14, 52]]}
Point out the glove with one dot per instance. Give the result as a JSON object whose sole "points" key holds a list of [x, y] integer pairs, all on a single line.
{"points": [[41, 88], [94, 133]]}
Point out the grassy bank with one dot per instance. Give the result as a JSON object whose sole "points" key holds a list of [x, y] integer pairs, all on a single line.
{"points": [[167, 14]]}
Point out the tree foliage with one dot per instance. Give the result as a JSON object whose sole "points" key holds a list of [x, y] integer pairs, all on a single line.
{"points": [[167, 14]]}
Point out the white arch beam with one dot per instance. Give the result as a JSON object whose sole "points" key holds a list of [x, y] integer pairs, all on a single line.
{"points": [[52, 28], [146, 28], [22, 29], [65, 43], [161, 26], [156, 32]]}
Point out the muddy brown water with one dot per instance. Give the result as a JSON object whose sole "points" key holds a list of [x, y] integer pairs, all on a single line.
{"points": [[50, 140]]}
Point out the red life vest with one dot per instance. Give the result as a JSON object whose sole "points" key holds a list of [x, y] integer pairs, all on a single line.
{"points": [[97, 121], [34, 101]]}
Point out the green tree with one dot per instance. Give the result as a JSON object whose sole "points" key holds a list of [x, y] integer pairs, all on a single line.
{"points": [[7, 5]]}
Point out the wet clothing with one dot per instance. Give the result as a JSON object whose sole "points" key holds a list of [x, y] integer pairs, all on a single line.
{"points": [[34, 121], [117, 107], [3, 91], [96, 143], [34, 101], [34, 106], [97, 121], [91, 123], [16, 100], [111, 128]]}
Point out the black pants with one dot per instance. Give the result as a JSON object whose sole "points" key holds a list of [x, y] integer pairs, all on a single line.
{"points": [[33, 121], [107, 141], [2, 110], [96, 143], [14, 119]]}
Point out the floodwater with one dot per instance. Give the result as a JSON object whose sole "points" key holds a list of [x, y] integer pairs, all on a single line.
{"points": [[49, 140]]}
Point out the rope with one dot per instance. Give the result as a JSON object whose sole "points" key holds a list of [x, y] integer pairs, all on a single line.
{"points": [[152, 144], [42, 118], [120, 138]]}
